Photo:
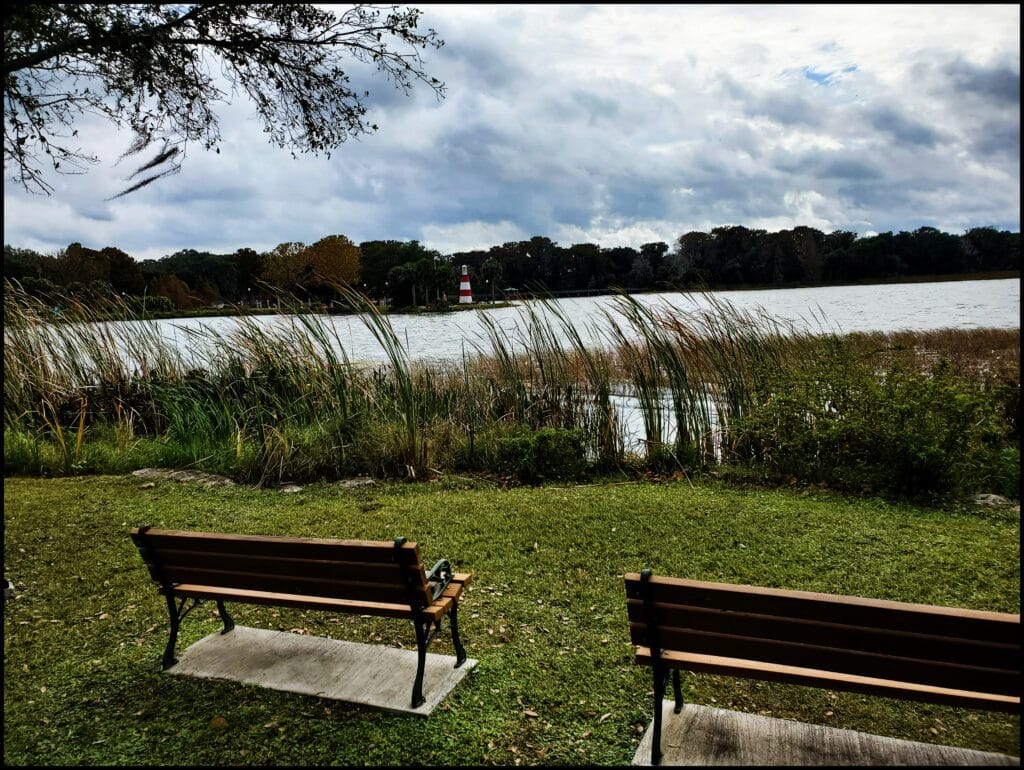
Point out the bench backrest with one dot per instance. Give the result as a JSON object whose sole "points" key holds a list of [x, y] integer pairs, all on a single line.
{"points": [[357, 570], [936, 646]]}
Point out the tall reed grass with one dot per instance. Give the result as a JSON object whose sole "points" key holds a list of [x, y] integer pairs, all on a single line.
{"points": [[269, 404]]}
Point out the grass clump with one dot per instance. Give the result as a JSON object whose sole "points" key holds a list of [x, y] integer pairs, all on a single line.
{"points": [[544, 455]]}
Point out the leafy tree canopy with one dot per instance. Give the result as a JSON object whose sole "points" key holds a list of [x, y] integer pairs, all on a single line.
{"points": [[332, 260], [148, 67], [22, 263], [282, 265], [379, 257]]}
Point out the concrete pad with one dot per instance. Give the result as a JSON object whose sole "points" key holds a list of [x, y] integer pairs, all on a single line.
{"points": [[702, 735], [368, 674]]}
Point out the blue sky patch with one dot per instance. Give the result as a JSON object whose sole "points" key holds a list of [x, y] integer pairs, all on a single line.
{"points": [[826, 78], [821, 78]]}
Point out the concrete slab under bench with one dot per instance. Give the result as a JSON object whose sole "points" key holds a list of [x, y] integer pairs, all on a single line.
{"points": [[367, 674]]}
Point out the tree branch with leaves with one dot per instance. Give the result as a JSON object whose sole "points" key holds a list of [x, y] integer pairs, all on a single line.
{"points": [[147, 67]]}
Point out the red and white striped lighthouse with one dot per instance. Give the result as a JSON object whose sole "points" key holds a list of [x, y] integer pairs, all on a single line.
{"points": [[465, 293]]}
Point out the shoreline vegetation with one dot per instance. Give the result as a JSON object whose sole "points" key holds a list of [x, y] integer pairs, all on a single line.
{"points": [[734, 393], [406, 274], [231, 310]]}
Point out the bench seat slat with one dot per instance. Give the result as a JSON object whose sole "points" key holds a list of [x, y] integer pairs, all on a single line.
{"points": [[841, 660], [462, 578], [832, 680], [452, 593], [954, 622], [300, 601], [673, 618]]}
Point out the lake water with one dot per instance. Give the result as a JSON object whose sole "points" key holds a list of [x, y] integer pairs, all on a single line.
{"points": [[887, 307]]}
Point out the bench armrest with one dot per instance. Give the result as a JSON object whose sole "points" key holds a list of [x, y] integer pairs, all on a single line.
{"points": [[439, 577]]}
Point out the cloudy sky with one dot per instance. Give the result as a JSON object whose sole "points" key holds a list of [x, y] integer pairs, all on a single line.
{"points": [[617, 125]]}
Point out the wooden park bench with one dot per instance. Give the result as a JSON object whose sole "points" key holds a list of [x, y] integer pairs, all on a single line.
{"points": [[362, 577], [911, 651]]}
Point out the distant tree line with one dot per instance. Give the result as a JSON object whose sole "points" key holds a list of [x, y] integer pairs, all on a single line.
{"points": [[407, 273]]}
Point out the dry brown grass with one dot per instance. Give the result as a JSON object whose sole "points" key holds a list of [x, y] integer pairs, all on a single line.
{"points": [[973, 353]]}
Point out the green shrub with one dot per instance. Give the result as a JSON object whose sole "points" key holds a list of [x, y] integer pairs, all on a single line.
{"points": [[999, 471], [841, 422], [548, 453]]}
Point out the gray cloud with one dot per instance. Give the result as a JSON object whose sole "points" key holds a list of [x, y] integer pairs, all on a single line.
{"points": [[788, 107], [999, 83], [901, 128], [848, 168], [999, 137]]}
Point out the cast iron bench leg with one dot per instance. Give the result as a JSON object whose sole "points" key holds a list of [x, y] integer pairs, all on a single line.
{"points": [[659, 694], [421, 662], [172, 609], [460, 651], [677, 687], [229, 624]]}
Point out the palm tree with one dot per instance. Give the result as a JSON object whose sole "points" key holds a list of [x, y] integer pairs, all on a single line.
{"points": [[425, 275], [404, 275]]}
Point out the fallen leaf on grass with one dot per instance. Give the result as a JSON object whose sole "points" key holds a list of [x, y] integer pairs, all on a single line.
{"points": [[531, 713], [604, 717], [219, 722]]}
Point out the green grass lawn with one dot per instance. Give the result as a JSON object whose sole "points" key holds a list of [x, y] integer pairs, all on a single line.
{"points": [[545, 616]]}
